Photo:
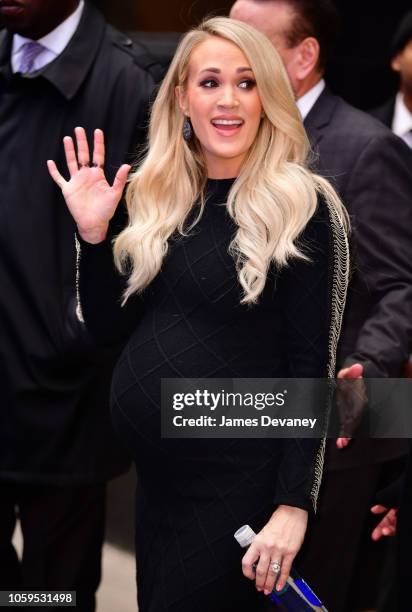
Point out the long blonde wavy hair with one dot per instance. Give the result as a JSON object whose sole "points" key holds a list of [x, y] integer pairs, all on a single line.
{"points": [[273, 197]]}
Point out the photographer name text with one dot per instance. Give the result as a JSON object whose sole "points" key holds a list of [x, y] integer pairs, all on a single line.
{"points": [[262, 421]]}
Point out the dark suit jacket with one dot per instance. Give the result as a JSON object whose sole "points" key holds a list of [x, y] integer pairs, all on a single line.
{"points": [[372, 171], [54, 416], [385, 112], [402, 489]]}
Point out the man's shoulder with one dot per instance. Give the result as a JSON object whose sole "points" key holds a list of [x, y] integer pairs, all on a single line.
{"points": [[126, 52], [385, 111], [361, 124], [344, 125], [343, 136]]}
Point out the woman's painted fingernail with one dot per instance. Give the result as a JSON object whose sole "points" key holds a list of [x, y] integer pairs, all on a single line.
{"points": [[266, 592]]}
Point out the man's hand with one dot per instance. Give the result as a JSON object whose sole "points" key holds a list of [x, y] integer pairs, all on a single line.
{"points": [[346, 402], [354, 371], [387, 526]]}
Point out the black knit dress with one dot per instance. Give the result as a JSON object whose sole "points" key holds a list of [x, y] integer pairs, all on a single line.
{"points": [[194, 494]]}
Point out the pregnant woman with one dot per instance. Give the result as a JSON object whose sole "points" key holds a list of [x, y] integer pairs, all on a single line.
{"points": [[232, 262]]}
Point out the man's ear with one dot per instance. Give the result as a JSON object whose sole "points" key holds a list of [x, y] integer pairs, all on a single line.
{"points": [[182, 99], [395, 63], [309, 51]]}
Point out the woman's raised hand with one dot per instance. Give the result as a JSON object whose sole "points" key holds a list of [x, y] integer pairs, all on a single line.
{"points": [[89, 197]]}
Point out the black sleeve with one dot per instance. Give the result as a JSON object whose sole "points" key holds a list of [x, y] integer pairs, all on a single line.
{"points": [[380, 196], [100, 294], [394, 494], [312, 324], [391, 494]]}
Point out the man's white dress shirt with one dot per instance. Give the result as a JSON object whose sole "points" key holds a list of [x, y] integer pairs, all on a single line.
{"points": [[54, 42]]}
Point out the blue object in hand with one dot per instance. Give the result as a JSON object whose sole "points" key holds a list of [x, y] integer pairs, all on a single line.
{"points": [[296, 596]]}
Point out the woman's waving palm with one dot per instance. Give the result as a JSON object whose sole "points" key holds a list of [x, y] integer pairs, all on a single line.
{"points": [[89, 197]]}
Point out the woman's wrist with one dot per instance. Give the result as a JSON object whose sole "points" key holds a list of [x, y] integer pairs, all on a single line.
{"points": [[93, 235], [295, 509]]}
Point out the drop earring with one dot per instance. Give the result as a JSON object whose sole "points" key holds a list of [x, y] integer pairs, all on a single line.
{"points": [[187, 130]]}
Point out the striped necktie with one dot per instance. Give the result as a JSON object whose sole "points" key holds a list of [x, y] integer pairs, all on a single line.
{"points": [[30, 52]]}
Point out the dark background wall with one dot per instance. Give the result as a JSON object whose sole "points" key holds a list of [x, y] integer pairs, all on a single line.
{"points": [[360, 72]]}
